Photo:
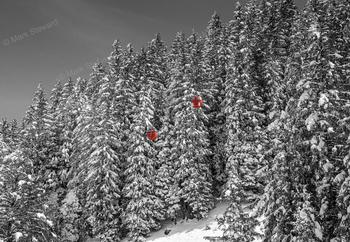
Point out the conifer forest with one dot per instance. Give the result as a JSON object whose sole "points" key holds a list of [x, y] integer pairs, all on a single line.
{"points": [[254, 111]]}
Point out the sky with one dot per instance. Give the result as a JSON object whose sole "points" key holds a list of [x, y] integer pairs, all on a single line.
{"points": [[43, 41]]}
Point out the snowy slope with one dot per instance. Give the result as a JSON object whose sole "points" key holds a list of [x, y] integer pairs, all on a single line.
{"points": [[192, 230]]}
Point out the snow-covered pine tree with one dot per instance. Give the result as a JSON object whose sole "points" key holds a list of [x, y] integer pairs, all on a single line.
{"points": [[166, 187], [55, 190], [158, 72], [56, 96], [123, 90], [306, 226], [10, 132], [189, 144], [5, 131], [321, 107], [244, 126], [177, 61], [70, 109], [35, 137], [245, 106], [95, 81], [115, 60], [284, 193], [14, 134], [216, 59], [76, 152], [281, 197], [278, 19], [341, 14], [22, 197], [280, 30], [122, 69], [56, 135], [98, 173], [236, 222], [71, 211], [125, 87], [143, 209]]}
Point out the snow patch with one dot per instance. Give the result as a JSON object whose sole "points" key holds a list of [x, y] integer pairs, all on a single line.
{"points": [[340, 177], [323, 101], [21, 183], [70, 198], [337, 55], [311, 121], [318, 231], [305, 96], [191, 230], [302, 214], [272, 125], [315, 31], [41, 216], [18, 235], [227, 193], [327, 167]]}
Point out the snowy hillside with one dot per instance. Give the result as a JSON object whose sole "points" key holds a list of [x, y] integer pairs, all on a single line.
{"points": [[191, 230]]}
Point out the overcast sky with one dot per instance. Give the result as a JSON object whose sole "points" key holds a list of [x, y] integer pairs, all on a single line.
{"points": [[42, 41]]}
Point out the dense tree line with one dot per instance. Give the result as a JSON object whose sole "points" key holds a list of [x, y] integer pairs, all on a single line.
{"points": [[272, 136]]}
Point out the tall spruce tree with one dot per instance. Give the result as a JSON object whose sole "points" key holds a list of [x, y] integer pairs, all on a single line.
{"points": [[319, 108], [35, 137], [95, 81], [98, 173], [215, 57], [190, 144], [158, 72], [341, 14], [243, 108], [22, 200], [142, 211]]}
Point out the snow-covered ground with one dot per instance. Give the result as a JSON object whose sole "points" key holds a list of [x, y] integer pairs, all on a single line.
{"points": [[191, 230]]}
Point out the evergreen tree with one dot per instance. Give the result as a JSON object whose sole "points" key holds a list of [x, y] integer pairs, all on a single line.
{"points": [[22, 210], [98, 173], [158, 72], [216, 59], [143, 209], [35, 137], [166, 186], [95, 81], [56, 135], [281, 195], [320, 141], [122, 69], [190, 144], [244, 126], [10, 132], [5, 131], [341, 15], [71, 211]]}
